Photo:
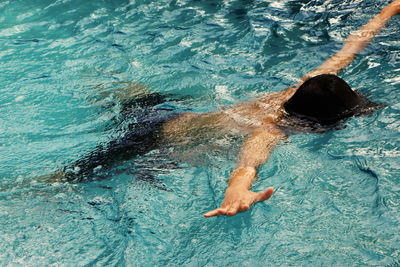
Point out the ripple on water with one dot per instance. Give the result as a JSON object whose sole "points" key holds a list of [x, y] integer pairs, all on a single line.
{"points": [[66, 63]]}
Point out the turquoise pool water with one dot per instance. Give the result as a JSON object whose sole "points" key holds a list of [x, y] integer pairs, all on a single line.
{"points": [[64, 63]]}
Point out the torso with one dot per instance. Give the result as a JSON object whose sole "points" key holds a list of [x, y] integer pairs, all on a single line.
{"points": [[239, 119]]}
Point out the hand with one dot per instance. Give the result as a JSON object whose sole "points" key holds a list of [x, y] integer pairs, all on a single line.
{"points": [[238, 199]]}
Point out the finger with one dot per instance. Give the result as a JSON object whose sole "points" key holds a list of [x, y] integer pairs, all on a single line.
{"points": [[264, 195], [233, 209], [244, 207], [215, 212], [231, 212]]}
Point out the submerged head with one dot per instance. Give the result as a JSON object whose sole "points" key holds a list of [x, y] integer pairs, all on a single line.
{"points": [[326, 99]]}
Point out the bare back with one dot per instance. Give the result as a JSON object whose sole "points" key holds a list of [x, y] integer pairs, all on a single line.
{"points": [[242, 118]]}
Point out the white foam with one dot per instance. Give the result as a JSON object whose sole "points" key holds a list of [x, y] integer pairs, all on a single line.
{"points": [[19, 98]]}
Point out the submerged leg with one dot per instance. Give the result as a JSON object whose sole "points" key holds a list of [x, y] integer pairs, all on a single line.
{"points": [[138, 133], [121, 92]]}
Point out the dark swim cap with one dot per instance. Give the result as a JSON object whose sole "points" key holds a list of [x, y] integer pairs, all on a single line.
{"points": [[326, 99]]}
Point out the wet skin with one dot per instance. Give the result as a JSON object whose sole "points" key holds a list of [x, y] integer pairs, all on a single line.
{"points": [[259, 120]]}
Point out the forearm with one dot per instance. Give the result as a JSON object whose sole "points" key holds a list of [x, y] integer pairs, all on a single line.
{"points": [[255, 151], [355, 43], [242, 177]]}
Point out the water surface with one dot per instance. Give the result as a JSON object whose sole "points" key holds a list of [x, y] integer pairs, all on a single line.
{"points": [[64, 66]]}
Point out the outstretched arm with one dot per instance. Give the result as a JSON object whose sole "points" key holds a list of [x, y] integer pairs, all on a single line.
{"points": [[355, 43], [255, 151]]}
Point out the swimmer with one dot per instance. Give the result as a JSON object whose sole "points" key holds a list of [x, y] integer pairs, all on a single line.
{"points": [[319, 102], [320, 97]]}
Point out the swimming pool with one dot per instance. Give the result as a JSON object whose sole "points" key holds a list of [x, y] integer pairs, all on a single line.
{"points": [[64, 64]]}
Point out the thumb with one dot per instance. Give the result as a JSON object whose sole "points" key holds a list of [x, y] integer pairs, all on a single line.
{"points": [[264, 195]]}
